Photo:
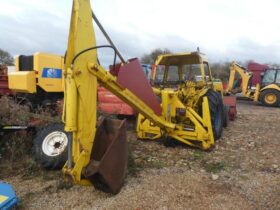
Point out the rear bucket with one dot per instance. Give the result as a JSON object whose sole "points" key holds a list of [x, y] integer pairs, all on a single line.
{"points": [[108, 165]]}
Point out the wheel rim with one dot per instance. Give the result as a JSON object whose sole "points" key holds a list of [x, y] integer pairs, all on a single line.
{"points": [[270, 98], [55, 143]]}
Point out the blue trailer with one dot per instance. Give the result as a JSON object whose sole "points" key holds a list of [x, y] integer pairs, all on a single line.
{"points": [[8, 198]]}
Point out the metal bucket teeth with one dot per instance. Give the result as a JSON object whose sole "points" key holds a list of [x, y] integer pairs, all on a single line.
{"points": [[108, 164]]}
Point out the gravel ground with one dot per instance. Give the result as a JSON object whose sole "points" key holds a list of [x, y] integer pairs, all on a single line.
{"points": [[241, 172]]}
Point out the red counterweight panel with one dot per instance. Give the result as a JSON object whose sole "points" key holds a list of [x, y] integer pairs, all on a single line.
{"points": [[132, 77]]}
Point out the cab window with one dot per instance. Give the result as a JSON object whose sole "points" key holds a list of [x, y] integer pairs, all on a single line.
{"points": [[173, 74], [191, 72], [269, 76], [277, 81], [206, 71], [159, 74]]}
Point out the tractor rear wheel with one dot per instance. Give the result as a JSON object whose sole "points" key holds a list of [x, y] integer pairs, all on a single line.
{"points": [[216, 112], [50, 146], [270, 97], [168, 141]]}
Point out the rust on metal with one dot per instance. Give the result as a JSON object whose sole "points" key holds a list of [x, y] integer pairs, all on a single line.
{"points": [[108, 165]]}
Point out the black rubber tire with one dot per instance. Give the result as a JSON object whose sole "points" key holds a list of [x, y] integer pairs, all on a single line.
{"points": [[216, 111], [270, 91], [47, 161], [168, 141], [225, 116]]}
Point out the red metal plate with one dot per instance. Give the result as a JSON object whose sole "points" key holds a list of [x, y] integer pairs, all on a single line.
{"points": [[231, 102], [132, 77]]}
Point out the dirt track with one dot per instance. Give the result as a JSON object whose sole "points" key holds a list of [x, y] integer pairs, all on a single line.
{"points": [[241, 172]]}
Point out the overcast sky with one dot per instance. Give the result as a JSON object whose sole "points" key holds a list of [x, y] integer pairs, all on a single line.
{"points": [[223, 29]]}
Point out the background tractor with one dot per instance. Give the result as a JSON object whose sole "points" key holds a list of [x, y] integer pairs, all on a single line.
{"points": [[38, 78], [190, 75], [267, 91]]}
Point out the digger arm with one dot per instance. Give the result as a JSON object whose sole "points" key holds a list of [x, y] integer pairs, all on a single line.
{"points": [[245, 76], [80, 98]]}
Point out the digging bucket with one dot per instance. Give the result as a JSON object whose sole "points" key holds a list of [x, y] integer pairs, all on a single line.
{"points": [[108, 165]]}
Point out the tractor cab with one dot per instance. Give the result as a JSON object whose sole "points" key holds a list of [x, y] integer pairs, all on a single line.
{"points": [[174, 69], [271, 76]]}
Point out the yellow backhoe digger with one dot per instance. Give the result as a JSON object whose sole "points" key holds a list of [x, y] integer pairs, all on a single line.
{"points": [[190, 75], [191, 113], [267, 92]]}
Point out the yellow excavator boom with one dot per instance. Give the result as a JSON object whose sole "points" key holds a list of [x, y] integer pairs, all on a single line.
{"points": [[80, 93], [245, 77]]}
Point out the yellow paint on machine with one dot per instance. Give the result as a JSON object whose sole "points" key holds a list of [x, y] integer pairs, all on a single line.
{"points": [[29, 80], [24, 81], [3, 198]]}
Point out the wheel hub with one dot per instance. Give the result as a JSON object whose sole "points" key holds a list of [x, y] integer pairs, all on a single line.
{"points": [[55, 143], [270, 98]]}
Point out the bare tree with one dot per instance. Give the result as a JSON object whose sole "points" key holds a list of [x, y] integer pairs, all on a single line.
{"points": [[221, 70], [6, 58], [152, 56]]}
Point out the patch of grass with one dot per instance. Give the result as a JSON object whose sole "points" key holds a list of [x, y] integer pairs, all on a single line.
{"points": [[133, 167], [31, 169], [48, 175], [214, 167], [25, 199], [132, 142], [20, 205], [62, 184], [244, 178], [12, 113], [197, 154], [15, 145], [158, 164]]}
